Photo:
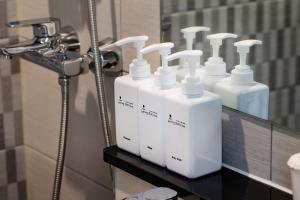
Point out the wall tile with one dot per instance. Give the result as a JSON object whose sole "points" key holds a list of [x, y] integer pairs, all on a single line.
{"points": [[13, 191], [141, 19], [40, 173], [246, 143], [12, 165], [284, 144]]}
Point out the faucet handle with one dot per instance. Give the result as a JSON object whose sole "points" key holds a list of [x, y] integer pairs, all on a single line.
{"points": [[43, 27]]}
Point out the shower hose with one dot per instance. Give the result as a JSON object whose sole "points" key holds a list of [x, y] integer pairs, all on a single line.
{"points": [[103, 111], [62, 143]]}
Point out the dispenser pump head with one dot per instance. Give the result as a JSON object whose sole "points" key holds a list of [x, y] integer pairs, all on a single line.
{"points": [[243, 48], [189, 34], [242, 73], [191, 85], [215, 66], [139, 67], [165, 76], [216, 41]]}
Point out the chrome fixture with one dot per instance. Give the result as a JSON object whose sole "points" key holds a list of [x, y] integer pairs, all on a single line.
{"points": [[58, 49], [161, 193]]}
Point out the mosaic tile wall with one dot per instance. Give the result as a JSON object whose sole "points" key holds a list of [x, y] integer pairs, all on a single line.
{"points": [[275, 22], [12, 176]]}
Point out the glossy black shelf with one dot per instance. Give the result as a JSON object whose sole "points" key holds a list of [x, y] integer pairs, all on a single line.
{"points": [[222, 185]]}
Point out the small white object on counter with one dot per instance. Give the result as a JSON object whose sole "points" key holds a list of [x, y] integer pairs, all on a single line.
{"points": [[189, 34], [215, 67], [193, 124], [240, 91], [294, 164], [127, 97], [151, 106]]}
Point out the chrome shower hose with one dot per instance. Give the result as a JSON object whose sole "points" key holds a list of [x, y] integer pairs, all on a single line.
{"points": [[62, 143], [98, 74]]}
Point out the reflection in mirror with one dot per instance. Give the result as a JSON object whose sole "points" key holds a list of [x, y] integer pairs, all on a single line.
{"points": [[274, 63]]}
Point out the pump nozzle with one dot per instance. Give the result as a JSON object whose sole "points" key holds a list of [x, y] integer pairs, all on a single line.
{"points": [[243, 48], [165, 77], [139, 68], [138, 41], [216, 41], [191, 85], [190, 33], [242, 73], [215, 66], [164, 49]]}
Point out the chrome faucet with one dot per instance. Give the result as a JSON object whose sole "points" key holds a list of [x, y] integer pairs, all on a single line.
{"points": [[52, 47], [58, 49]]}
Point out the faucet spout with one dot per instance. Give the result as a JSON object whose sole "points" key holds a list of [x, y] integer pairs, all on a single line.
{"points": [[20, 48]]}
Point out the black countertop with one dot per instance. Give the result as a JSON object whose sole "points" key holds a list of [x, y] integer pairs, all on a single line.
{"points": [[222, 185]]}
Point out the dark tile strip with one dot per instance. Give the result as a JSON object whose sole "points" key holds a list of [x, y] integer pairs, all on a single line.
{"points": [[245, 19], [252, 57], [223, 2], [15, 66], [266, 46], [287, 13], [298, 70], [199, 18], [191, 4], [273, 14], [11, 167], [292, 100], [22, 190], [280, 43], [230, 19], [3, 193], [273, 65], [295, 39], [286, 72], [18, 127], [259, 17], [215, 21], [2, 137]]}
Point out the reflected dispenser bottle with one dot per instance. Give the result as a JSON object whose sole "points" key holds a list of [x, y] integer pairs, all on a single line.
{"points": [[151, 107], [127, 97], [215, 67], [189, 34], [240, 91], [192, 124]]}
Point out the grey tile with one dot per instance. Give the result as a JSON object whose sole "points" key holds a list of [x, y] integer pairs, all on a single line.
{"points": [[2, 137], [6, 93], [18, 127], [246, 143], [3, 192], [11, 168], [3, 177], [284, 144], [22, 194], [20, 163], [9, 129], [12, 191], [16, 92]]}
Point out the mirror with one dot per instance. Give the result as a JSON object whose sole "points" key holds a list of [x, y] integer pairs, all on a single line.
{"points": [[275, 63]]}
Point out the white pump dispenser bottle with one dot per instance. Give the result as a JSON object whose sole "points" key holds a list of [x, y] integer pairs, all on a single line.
{"points": [[127, 97], [189, 34], [215, 67], [192, 124], [240, 91], [151, 107]]}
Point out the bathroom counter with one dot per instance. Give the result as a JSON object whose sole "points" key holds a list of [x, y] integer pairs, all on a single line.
{"points": [[222, 185]]}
